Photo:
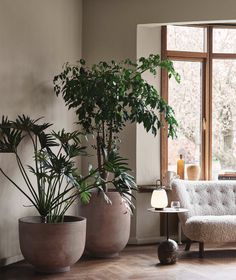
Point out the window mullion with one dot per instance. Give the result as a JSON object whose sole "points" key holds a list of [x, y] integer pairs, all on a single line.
{"points": [[208, 143]]}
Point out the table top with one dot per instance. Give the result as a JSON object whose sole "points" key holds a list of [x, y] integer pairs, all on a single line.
{"points": [[168, 210]]}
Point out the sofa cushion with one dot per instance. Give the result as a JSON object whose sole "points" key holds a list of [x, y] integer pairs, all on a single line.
{"points": [[211, 228], [205, 197]]}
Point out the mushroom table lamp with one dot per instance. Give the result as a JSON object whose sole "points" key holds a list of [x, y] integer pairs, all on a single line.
{"points": [[159, 199]]}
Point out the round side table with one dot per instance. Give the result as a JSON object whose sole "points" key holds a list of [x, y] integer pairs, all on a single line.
{"points": [[168, 249]]}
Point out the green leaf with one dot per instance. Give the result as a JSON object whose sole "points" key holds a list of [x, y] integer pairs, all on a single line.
{"points": [[105, 98]]}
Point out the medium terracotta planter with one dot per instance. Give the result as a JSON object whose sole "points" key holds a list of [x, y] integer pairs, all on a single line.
{"points": [[52, 248], [108, 226]]}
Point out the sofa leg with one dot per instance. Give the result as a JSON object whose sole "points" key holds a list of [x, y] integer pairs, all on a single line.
{"points": [[201, 249], [188, 245]]}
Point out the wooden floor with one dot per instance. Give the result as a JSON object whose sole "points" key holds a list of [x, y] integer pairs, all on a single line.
{"points": [[140, 262]]}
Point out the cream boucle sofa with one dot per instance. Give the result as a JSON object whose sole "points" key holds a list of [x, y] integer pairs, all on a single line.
{"points": [[212, 210]]}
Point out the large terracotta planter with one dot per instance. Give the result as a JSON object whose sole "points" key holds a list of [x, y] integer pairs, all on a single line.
{"points": [[52, 248], [108, 226]]}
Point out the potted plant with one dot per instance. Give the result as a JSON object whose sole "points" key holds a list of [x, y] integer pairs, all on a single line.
{"points": [[105, 97], [52, 241]]}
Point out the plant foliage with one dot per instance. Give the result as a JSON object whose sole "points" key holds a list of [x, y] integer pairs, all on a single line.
{"points": [[58, 182], [108, 95]]}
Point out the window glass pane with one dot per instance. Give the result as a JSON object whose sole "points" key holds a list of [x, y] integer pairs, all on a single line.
{"points": [[185, 38], [186, 99], [224, 40], [223, 116]]}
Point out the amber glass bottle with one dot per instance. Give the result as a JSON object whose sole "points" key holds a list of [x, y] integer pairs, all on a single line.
{"points": [[180, 167]]}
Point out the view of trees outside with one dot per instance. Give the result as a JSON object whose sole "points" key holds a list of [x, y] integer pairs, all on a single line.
{"points": [[186, 99], [224, 116], [184, 38], [224, 40]]}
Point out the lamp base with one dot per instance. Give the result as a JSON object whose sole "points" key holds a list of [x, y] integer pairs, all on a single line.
{"points": [[159, 208]]}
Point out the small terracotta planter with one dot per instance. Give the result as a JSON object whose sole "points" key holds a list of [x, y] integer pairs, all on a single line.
{"points": [[108, 226], [52, 248]]}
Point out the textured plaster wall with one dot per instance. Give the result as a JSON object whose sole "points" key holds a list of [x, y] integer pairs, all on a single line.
{"points": [[36, 38]]}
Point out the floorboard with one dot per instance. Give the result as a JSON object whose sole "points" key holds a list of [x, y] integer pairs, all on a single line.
{"points": [[140, 262]]}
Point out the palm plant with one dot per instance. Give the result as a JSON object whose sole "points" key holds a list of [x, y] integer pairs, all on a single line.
{"points": [[58, 183]]}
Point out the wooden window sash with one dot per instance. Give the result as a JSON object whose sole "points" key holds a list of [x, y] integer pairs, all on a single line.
{"points": [[207, 59]]}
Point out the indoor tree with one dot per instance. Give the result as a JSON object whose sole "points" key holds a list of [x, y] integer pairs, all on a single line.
{"points": [[108, 95]]}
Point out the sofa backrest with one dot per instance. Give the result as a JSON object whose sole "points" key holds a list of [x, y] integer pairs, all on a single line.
{"points": [[205, 197]]}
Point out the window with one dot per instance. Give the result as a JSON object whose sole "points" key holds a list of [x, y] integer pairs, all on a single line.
{"points": [[186, 99], [180, 38], [223, 115], [224, 40], [204, 102]]}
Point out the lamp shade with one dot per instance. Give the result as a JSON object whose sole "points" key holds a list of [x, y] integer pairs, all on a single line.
{"points": [[159, 199]]}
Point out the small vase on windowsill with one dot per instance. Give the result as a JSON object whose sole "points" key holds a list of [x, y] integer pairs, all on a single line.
{"points": [[193, 172], [180, 167]]}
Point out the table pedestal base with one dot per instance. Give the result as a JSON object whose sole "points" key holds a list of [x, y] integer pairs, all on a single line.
{"points": [[168, 252]]}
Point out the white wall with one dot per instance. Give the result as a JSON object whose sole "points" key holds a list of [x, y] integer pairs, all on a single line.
{"points": [[36, 38], [109, 30], [148, 146], [145, 225]]}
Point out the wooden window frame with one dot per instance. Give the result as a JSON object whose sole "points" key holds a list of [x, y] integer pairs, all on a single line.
{"points": [[206, 58]]}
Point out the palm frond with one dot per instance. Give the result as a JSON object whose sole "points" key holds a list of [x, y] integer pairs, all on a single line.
{"points": [[123, 182], [58, 183], [73, 150], [25, 123], [47, 140], [10, 138], [85, 194], [65, 137]]}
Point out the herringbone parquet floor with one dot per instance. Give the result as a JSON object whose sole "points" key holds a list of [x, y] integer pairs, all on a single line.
{"points": [[138, 263]]}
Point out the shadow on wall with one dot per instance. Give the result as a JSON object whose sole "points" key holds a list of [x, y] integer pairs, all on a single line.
{"points": [[13, 203], [38, 99], [28, 95]]}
